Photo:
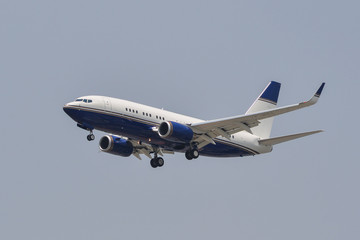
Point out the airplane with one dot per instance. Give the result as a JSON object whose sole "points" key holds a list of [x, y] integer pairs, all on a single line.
{"points": [[137, 129]]}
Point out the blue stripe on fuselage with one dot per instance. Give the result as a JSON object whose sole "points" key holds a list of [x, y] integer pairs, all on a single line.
{"points": [[141, 129]]}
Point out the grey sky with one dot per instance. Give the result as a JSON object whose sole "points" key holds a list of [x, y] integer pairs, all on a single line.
{"points": [[207, 59]]}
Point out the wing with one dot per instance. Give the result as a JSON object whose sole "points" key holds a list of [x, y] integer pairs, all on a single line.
{"points": [[224, 127], [147, 149]]}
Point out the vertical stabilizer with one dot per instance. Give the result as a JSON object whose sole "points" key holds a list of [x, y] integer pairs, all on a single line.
{"points": [[266, 101]]}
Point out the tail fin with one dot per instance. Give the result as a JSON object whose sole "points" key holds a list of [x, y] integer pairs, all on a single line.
{"points": [[266, 101]]}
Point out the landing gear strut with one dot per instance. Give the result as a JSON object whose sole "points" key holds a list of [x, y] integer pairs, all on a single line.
{"points": [[192, 154]]}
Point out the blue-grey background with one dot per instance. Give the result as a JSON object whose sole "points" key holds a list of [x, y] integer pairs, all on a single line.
{"points": [[207, 59]]}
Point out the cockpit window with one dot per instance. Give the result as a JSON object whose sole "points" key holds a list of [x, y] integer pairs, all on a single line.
{"points": [[83, 100]]}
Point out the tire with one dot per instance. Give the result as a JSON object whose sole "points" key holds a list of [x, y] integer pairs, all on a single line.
{"points": [[160, 162], [153, 163], [188, 155], [92, 137], [194, 153]]}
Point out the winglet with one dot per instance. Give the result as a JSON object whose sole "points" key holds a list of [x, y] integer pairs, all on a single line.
{"points": [[316, 96], [318, 93]]}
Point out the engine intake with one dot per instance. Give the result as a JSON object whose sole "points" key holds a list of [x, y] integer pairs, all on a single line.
{"points": [[175, 132], [116, 145]]}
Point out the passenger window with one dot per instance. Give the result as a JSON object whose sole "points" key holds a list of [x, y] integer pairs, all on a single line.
{"points": [[147, 114], [136, 111], [126, 109], [150, 115]]}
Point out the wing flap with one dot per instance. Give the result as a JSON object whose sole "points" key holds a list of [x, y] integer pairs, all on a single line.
{"points": [[147, 149]]}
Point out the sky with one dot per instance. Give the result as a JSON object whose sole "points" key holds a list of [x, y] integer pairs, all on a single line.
{"points": [[206, 59]]}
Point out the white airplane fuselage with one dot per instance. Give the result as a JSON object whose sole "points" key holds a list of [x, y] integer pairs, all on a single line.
{"points": [[140, 122], [136, 129]]}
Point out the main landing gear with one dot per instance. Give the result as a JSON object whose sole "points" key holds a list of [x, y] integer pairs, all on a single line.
{"points": [[157, 162], [192, 154]]}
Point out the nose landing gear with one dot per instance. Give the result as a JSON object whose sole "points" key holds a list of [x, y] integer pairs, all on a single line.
{"points": [[91, 136]]}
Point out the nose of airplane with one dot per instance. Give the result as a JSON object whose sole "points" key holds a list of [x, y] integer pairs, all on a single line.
{"points": [[70, 110], [66, 108]]}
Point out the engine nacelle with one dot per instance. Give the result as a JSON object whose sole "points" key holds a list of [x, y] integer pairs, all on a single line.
{"points": [[175, 132], [116, 145]]}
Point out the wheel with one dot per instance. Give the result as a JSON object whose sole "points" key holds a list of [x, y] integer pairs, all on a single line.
{"points": [[90, 137], [160, 162], [194, 153], [153, 163], [188, 155]]}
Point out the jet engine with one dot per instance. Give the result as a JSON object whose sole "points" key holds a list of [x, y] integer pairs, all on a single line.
{"points": [[175, 132], [116, 145]]}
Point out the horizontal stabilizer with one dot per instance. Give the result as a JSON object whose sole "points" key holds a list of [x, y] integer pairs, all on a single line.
{"points": [[277, 140]]}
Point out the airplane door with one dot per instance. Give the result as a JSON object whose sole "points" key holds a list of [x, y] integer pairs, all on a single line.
{"points": [[107, 103]]}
